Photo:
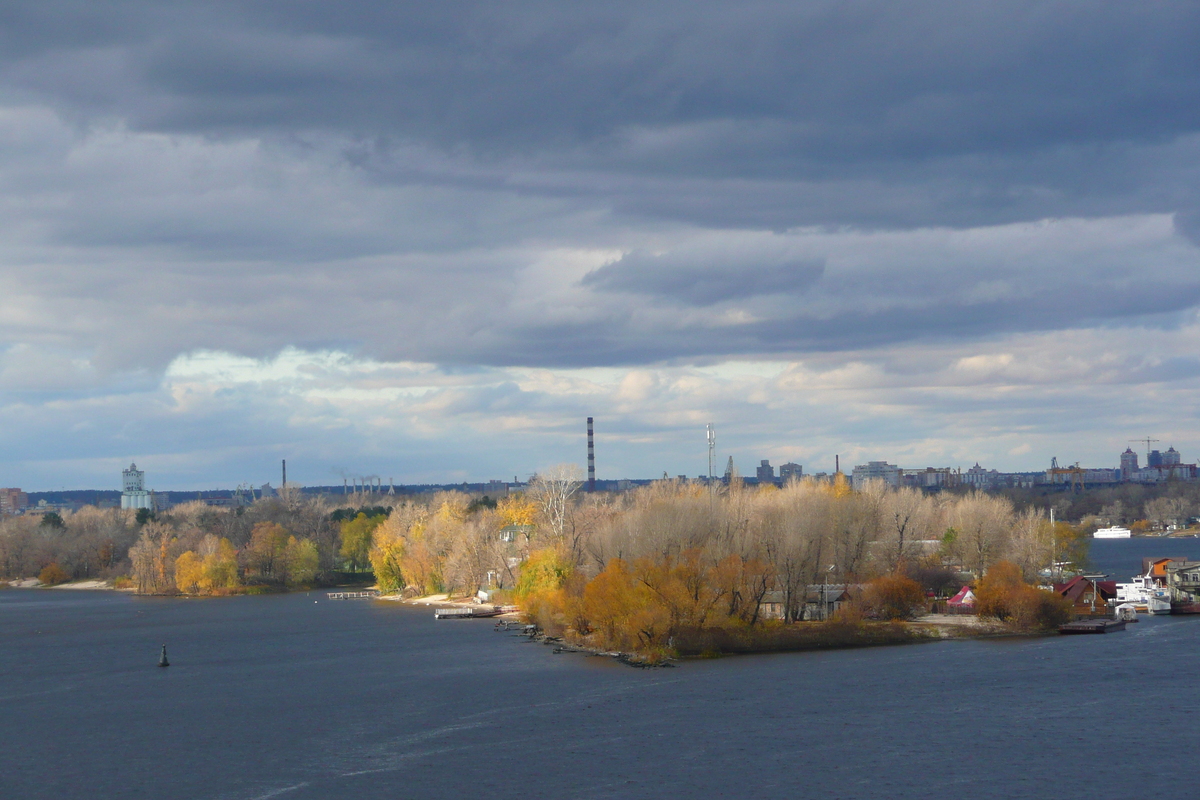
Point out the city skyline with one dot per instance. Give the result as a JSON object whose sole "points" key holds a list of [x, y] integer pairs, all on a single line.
{"points": [[927, 233], [1166, 455]]}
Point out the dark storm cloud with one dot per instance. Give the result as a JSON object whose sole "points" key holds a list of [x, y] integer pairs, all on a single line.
{"points": [[387, 177], [817, 91]]}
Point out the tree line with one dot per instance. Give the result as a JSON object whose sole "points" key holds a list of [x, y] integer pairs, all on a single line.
{"points": [[194, 548], [622, 568]]}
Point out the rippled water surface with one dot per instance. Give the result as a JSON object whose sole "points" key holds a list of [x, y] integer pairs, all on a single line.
{"points": [[286, 697]]}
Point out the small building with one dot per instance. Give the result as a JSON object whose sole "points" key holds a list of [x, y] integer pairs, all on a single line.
{"points": [[1156, 568], [509, 533], [772, 606], [1183, 581], [1087, 596], [822, 601]]}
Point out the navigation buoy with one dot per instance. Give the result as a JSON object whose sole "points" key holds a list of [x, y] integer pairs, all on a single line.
{"points": [[162, 660]]}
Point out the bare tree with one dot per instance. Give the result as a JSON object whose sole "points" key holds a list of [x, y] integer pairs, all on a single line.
{"points": [[552, 490]]}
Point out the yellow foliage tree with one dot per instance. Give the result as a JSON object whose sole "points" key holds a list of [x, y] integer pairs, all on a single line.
{"points": [[622, 612], [189, 573], [302, 561], [543, 572], [356, 540], [267, 548], [220, 567], [387, 557], [516, 509]]}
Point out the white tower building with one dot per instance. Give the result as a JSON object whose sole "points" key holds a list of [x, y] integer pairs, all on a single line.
{"points": [[134, 494]]}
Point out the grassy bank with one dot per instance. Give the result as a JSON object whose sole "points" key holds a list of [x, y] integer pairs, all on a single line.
{"points": [[780, 638]]}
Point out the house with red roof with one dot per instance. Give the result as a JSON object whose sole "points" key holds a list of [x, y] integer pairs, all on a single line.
{"points": [[1087, 596]]}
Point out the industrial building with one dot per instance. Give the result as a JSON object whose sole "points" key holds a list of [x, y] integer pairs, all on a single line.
{"points": [[133, 491]]}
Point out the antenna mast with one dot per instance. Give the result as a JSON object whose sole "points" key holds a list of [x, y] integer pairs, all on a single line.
{"points": [[712, 451]]}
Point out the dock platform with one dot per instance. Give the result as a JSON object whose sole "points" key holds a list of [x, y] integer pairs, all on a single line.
{"points": [[1092, 626], [467, 612], [366, 594]]}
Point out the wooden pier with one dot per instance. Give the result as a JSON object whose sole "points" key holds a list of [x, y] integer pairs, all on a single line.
{"points": [[467, 612], [1092, 626], [366, 594]]}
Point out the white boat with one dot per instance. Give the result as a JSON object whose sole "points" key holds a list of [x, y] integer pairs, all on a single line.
{"points": [[1144, 595], [1112, 533], [1159, 601]]}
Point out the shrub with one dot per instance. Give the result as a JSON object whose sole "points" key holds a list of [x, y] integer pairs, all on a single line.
{"points": [[52, 574], [1004, 595], [895, 596]]}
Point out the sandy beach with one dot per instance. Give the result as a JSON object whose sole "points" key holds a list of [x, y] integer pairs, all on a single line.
{"points": [[92, 585]]}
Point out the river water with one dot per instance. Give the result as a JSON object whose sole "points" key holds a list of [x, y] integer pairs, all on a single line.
{"points": [[295, 696]]}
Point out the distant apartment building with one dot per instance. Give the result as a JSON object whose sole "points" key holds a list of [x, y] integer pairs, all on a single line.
{"points": [[929, 478], [875, 470], [134, 494], [1160, 467], [13, 501], [980, 478], [1129, 464], [790, 471], [765, 472]]}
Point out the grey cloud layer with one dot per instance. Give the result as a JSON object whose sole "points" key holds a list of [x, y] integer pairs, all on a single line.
{"points": [[873, 93], [572, 185]]}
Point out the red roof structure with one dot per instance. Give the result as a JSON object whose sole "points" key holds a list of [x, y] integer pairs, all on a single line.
{"points": [[1076, 588], [965, 597]]}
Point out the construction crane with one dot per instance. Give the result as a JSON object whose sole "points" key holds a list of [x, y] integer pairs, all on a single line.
{"points": [[1147, 440], [1076, 473]]}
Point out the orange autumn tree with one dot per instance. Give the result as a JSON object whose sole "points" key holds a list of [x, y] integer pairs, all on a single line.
{"points": [[894, 596], [1004, 595]]}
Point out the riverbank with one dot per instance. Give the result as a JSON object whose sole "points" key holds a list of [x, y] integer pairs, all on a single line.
{"points": [[88, 585]]}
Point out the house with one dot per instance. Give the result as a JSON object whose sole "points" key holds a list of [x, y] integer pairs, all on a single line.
{"points": [[1087, 596], [822, 601], [1156, 568], [772, 606], [1183, 580], [509, 533]]}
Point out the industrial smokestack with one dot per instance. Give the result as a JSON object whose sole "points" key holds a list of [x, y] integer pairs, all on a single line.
{"points": [[591, 459], [837, 465], [285, 473]]}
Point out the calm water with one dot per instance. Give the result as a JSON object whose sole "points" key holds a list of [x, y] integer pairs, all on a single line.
{"points": [[284, 697]]}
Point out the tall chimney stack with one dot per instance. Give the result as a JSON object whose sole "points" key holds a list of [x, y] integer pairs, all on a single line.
{"points": [[837, 465], [285, 473], [591, 459]]}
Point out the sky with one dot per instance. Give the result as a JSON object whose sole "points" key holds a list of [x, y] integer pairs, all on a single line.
{"points": [[425, 241]]}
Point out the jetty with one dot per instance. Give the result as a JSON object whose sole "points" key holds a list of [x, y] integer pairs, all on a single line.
{"points": [[467, 612], [1092, 626], [366, 594]]}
